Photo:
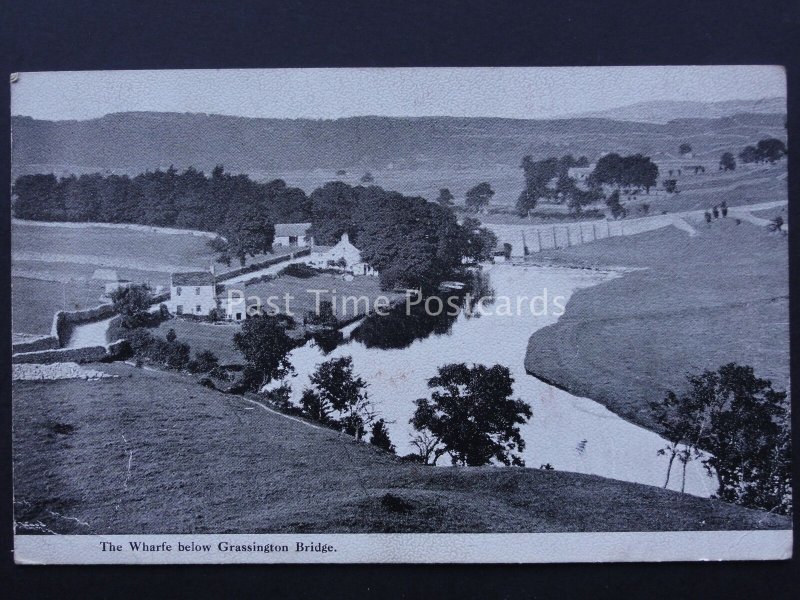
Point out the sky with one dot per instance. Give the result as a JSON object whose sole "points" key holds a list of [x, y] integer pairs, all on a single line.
{"points": [[525, 93]]}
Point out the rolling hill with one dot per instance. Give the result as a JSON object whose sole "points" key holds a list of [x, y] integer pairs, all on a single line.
{"points": [[664, 111], [136, 141]]}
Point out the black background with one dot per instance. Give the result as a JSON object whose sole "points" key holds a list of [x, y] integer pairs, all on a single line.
{"points": [[112, 34]]}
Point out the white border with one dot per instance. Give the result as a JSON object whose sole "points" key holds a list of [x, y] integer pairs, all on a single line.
{"points": [[417, 548]]}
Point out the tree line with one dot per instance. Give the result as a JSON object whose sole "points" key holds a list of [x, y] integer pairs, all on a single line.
{"points": [[410, 241], [549, 179]]}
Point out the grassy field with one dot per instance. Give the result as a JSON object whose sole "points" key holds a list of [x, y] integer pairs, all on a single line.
{"points": [[49, 262], [34, 302], [218, 338], [700, 302], [152, 452]]}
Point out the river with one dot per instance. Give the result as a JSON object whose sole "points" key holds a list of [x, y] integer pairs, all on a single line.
{"points": [[568, 432]]}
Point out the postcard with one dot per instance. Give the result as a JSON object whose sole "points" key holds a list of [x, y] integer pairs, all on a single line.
{"points": [[401, 315]]}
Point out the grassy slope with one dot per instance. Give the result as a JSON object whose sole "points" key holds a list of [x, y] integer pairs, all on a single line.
{"points": [[155, 452], [702, 301], [35, 302]]}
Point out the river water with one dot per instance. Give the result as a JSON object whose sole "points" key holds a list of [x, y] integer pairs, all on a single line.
{"points": [[568, 432]]}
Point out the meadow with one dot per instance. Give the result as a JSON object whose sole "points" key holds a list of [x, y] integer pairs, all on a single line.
{"points": [[151, 452], [695, 303], [52, 267]]}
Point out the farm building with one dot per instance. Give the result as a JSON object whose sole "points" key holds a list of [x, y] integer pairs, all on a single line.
{"points": [[293, 234], [111, 280], [192, 293], [343, 255]]}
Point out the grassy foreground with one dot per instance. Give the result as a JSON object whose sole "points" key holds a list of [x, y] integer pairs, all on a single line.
{"points": [[699, 302], [154, 452]]}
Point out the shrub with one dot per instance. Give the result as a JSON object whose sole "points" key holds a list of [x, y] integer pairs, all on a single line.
{"points": [[204, 362], [299, 270]]}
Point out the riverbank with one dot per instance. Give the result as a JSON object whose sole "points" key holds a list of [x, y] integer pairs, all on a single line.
{"points": [[152, 451], [690, 303]]}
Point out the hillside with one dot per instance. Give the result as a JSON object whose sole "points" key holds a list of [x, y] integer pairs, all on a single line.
{"points": [[694, 303], [150, 451], [137, 141], [664, 111]]}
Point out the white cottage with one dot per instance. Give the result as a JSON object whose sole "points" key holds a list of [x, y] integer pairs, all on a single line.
{"points": [[293, 234], [192, 293], [343, 255]]}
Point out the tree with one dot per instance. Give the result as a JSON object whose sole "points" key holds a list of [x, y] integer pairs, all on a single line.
{"points": [[471, 415], [685, 148], [770, 150], [749, 155], [204, 362], [380, 436], [481, 241], [133, 303], [367, 178], [727, 162], [445, 197], [743, 424], [478, 197], [412, 243], [335, 388], [670, 185], [265, 346], [625, 171], [613, 203]]}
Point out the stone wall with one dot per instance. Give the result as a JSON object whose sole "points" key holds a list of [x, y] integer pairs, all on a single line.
{"points": [[261, 265], [45, 342], [78, 355], [64, 321]]}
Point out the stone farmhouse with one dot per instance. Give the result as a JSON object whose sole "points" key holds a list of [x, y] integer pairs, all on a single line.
{"points": [[344, 255], [192, 293], [293, 234]]}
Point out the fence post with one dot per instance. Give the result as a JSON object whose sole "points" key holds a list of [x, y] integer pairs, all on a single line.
{"points": [[539, 238], [569, 237], [594, 231], [608, 228]]}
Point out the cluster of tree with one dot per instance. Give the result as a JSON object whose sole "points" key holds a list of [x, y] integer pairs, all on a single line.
{"points": [[132, 304], [538, 177], [239, 209], [471, 416], [727, 162], [338, 398], [743, 425], [265, 345], [767, 150], [166, 352], [410, 241], [636, 171]]}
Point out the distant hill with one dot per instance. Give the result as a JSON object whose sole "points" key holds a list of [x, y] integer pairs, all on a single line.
{"points": [[136, 141], [665, 111]]}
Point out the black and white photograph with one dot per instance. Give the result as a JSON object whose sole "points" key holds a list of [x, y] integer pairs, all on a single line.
{"points": [[518, 314]]}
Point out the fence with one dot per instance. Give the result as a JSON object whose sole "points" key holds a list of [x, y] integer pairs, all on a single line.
{"points": [[536, 238]]}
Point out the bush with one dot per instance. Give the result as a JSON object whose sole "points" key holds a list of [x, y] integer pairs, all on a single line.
{"points": [[299, 270], [203, 362]]}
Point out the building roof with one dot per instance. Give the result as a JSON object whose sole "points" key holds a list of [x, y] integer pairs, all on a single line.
{"points": [[292, 229], [197, 278]]}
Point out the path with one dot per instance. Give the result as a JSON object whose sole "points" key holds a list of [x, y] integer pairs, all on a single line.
{"points": [[89, 334], [270, 270]]}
